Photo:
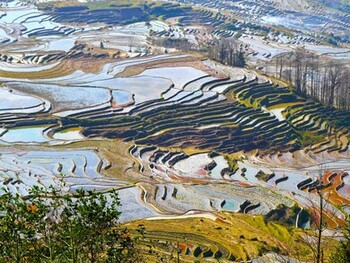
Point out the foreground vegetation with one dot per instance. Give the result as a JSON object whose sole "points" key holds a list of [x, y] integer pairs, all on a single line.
{"points": [[50, 227], [342, 253]]}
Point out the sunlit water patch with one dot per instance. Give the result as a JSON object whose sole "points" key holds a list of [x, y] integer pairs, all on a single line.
{"points": [[25, 135], [60, 44], [178, 75], [73, 134], [121, 97], [66, 97], [11, 101], [144, 88]]}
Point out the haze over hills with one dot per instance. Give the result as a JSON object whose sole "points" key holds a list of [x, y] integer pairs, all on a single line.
{"points": [[341, 5], [314, 17], [220, 123]]}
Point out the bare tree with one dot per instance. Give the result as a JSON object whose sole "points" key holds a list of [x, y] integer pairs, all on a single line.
{"points": [[131, 43], [312, 75], [228, 52]]}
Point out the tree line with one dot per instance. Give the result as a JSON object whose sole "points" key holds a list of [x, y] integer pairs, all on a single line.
{"points": [[228, 52], [51, 227], [327, 81]]}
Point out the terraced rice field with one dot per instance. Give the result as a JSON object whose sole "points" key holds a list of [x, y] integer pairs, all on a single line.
{"points": [[65, 170], [186, 130], [19, 21], [180, 136]]}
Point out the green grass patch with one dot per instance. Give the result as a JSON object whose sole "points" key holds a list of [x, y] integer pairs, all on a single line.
{"points": [[261, 175], [232, 161], [308, 138]]}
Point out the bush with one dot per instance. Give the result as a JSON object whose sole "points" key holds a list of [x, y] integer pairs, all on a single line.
{"points": [[50, 227], [342, 254]]}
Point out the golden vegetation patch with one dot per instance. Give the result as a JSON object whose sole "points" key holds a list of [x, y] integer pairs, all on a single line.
{"points": [[232, 160], [187, 150], [284, 105], [62, 69], [240, 235]]}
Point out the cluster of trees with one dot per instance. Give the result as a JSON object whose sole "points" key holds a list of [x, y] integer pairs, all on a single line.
{"points": [[50, 227], [342, 253], [228, 52], [178, 43], [224, 50], [311, 75]]}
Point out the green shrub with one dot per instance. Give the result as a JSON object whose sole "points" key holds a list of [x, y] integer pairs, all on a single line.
{"points": [[51, 227]]}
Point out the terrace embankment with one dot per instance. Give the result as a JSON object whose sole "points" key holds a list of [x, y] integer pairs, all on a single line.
{"points": [[188, 61], [80, 57], [120, 166], [175, 122]]}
